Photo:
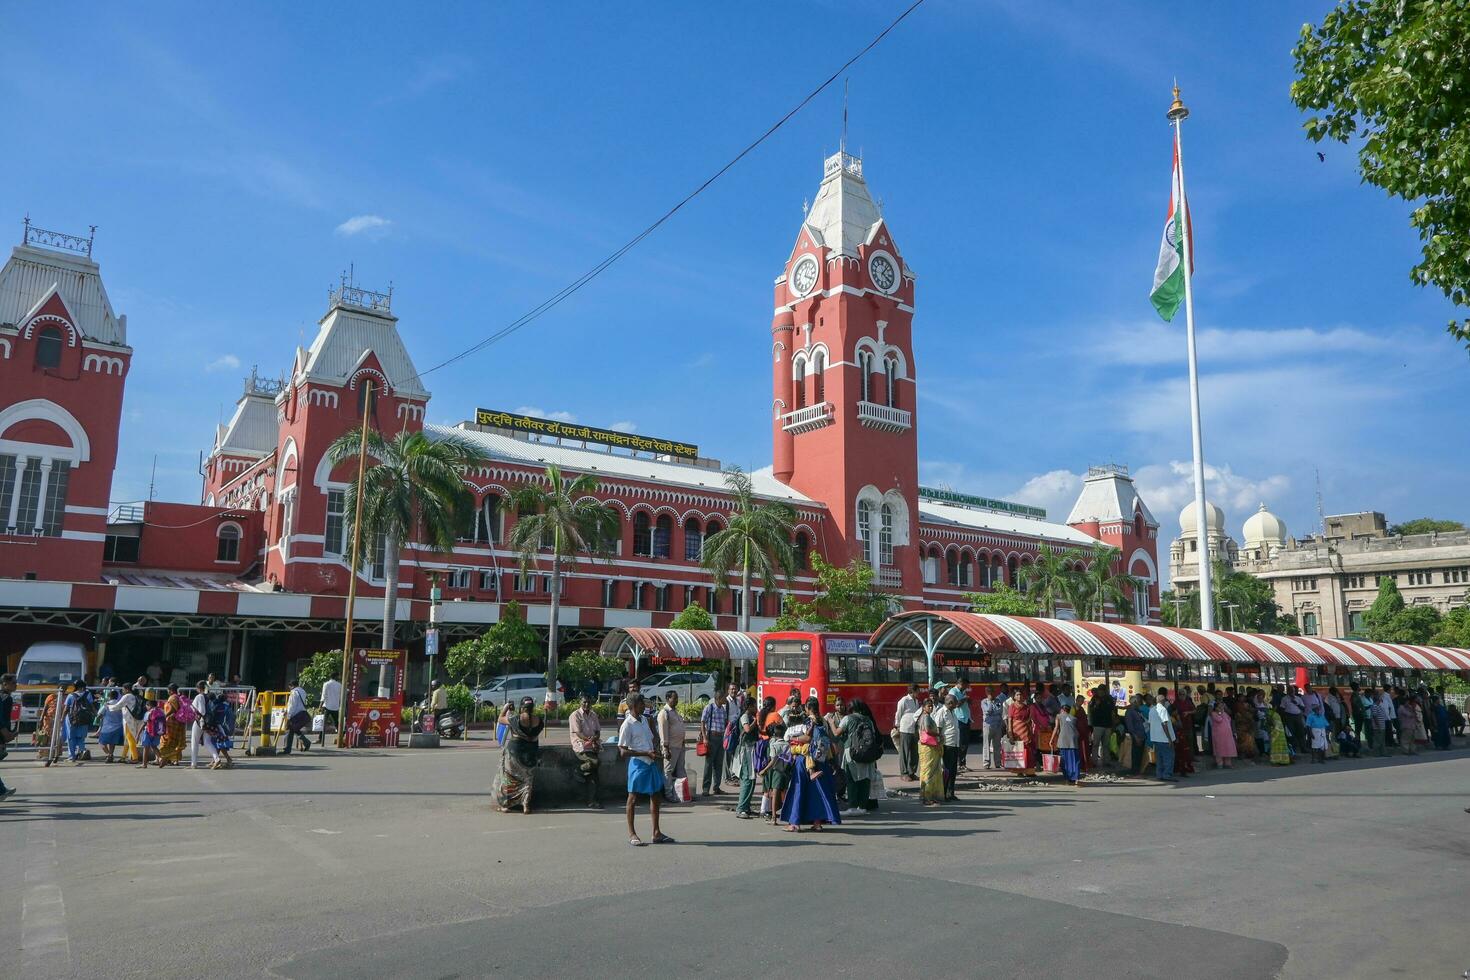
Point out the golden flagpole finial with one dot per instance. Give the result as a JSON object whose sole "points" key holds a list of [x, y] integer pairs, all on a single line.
{"points": [[1177, 110]]}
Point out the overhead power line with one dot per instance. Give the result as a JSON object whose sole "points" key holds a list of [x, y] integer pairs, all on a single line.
{"points": [[557, 297]]}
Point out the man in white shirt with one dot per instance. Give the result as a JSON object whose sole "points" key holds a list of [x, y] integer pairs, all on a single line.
{"points": [[906, 736], [635, 743], [1161, 734], [331, 707], [196, 730], [993, 723], [946, 717], [671, 738]]}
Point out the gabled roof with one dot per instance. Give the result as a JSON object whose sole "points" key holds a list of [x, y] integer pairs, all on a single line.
{"points": [[32, 274], [538, 454], [346, 333], [252, 430], [974, 519], [844, 215], [1108, 494]]}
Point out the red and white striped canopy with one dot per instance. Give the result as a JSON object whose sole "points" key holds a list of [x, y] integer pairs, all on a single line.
{"points": [[630, 641], [941, 632]]}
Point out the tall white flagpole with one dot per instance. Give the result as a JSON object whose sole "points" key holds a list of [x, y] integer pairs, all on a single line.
{"points": [[1177, 114]]}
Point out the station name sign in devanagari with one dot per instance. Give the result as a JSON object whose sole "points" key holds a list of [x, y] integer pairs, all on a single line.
{"points": [[583, 433]]}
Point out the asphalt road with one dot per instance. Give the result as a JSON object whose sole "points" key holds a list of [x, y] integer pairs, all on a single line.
{"points": [[386, 864]]}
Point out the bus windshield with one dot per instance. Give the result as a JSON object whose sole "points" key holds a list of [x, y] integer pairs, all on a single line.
{"points": [[788, 658], [47, 672]]}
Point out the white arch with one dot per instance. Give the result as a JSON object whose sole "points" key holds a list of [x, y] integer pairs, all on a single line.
{"points": [[239, 531], [1148, 562], [902, 362], [71, 331], [288, 456], [798, 366], [49, 411], [900, 507]]}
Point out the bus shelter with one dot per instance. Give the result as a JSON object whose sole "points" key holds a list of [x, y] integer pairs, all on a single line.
{"points": [[666, 646], [943, 637]]}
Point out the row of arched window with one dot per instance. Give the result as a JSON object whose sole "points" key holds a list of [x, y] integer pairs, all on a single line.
{"points": [[964, 569], [809, 379], [653, 536]]}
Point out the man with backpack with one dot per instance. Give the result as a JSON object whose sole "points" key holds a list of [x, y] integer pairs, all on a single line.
{"points": [[862, 747], [80, 711]]}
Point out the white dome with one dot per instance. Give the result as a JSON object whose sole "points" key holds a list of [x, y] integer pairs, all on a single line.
{"points": [[1264, 527], [1214, 519]]}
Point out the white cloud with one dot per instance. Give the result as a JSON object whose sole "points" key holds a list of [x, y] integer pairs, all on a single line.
{"points": [[1168, 487], [225, 362], [542, 413], [624, 426], [1055, 491], [370, 225], [430, 75], [1148, 343]]}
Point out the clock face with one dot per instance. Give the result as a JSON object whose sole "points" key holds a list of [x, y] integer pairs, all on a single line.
{"points": [[884, 272], [804, 276]]}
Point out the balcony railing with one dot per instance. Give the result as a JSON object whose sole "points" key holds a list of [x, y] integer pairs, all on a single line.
{"points": [[889, 577], [877, 416], [807, 419]]}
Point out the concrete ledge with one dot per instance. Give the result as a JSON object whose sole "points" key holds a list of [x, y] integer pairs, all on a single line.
{"points": [[559, 779], [423, 740]]}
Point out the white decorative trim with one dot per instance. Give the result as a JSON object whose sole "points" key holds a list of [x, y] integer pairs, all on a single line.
{"points": [[408, 410], [288, 455], [51, 318], [385, 388], [48, 411], [88, 511], [83, 535], [103, 364], [5, 341], [321, 396]]}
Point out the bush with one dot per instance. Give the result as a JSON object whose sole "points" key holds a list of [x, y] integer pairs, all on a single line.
{"points": [[606, 710], [460, 699]]}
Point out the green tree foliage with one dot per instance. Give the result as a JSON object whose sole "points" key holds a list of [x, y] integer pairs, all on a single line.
{"points": [[1256, 609], [412, 490], [756, 544], [1393, 76], [845, 601], [1101, 586], [1425, 525], [322, 666], [510, 641], [694, 617], [1002, 600], [460, 699], [465, 662], [1454, 629], [1389, 620], [585, 667], [559, 516], [1051, 580]]}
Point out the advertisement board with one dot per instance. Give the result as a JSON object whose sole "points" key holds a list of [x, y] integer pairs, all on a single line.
{"points": [[375, 698]]}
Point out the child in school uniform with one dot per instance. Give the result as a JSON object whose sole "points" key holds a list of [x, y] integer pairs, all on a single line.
{"points": [[776, 773], [1317, 726], [154, 723]]}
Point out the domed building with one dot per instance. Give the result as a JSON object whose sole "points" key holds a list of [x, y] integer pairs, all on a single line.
{"points": [[1264, 535], [1185, 549]]}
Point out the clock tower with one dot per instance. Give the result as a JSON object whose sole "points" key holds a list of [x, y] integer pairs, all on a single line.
{"points": [[843, 378]]}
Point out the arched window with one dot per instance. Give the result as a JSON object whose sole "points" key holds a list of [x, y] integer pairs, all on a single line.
{"points": [[967, 561], [490, 512], [228, 548], [800, 383], [802, 549], [663, 536], [885, 535], [952, 563], [615, 531], [367, 398], [819, 385], [865, 528], [865, 368], [642, 534], [997, 571], [693, 540], [890, 372], [712, 528], [1011, 575], [48, 348]]}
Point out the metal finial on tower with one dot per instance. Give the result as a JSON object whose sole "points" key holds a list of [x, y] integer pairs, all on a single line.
{"points": [[1177, 110], [845, 83]]}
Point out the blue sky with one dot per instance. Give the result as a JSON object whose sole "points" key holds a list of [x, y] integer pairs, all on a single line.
{"points": [[237, 160]]}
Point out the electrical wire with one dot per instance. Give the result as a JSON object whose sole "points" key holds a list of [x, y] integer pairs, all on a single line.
{"points": [[566, 291]]}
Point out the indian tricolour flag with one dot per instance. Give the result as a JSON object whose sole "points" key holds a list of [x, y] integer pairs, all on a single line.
{"points": [[1168, 291]]}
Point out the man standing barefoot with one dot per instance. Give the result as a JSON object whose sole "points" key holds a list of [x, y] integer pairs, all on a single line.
{"points": [[645, 776]]}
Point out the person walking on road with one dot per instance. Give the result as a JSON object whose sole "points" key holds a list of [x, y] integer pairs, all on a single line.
{"points": [[992, 722], [645, 777], [110, 726], [201, 706], [1069, 744], [155, 723], [585, 731], [7, 732], [712, 722], [1161, 733], [671, 737], [298, 720], [905, 736], [77, 712], [331, 707]]}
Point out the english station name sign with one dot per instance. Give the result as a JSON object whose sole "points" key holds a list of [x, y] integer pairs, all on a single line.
{"points": [[583, 433]]}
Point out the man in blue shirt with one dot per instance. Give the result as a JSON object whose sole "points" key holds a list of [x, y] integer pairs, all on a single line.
{"points": [[961, 694], [712, 722]]}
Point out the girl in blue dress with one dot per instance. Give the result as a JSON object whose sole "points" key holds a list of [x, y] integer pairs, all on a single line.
{"points": [[813, 795]]}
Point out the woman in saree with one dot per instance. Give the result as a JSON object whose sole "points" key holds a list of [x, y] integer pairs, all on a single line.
{"points": [[1042, 732], [171, 748], [1245, 728], [1019, 728], [931, 756], [518, 759], [1183, 733], [1222, 736], [1276, 729], [812, 798]]}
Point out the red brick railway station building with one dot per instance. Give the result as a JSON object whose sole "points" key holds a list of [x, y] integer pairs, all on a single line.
{"points": [[254, 576]]}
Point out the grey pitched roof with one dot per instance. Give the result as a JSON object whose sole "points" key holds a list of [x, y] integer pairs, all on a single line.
{"points": [[252, 430], [1108, 495], [30, 275], [974, 519], [843, 215], [346, 333]]}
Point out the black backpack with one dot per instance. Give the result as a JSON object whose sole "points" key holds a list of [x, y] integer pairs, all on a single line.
{"points": [[83, 712], [138, 709], [864, 744]]}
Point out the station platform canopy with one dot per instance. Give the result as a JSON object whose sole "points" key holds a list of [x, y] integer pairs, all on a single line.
{"points": [[679, 646], [962, 635]]}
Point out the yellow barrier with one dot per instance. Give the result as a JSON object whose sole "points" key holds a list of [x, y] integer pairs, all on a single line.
{"points": [[270, 716]]}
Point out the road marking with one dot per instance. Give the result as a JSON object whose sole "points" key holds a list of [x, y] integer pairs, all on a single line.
{"points": [[45, 946], [324, 859]]}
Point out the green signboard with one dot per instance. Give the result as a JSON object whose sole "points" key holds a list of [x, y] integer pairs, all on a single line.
{"points": [[965, 499]]}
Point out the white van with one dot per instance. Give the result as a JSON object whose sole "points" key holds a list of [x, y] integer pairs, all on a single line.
{"points": [[42, 667]]}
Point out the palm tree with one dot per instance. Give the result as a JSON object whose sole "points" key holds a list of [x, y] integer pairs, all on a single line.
{"points": [[562, 517], [1050, 580], [757, 541], [413, 492], [1100, 586]]}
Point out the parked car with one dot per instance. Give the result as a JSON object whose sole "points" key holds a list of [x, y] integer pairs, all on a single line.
{"points": [[514, 687], [692, 686]]}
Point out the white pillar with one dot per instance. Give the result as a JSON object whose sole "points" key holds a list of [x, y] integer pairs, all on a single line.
{"points": [[20, 471], [40, 516]]}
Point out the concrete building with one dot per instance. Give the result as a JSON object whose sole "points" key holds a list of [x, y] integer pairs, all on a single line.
{"points": [[1328, 581]]}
